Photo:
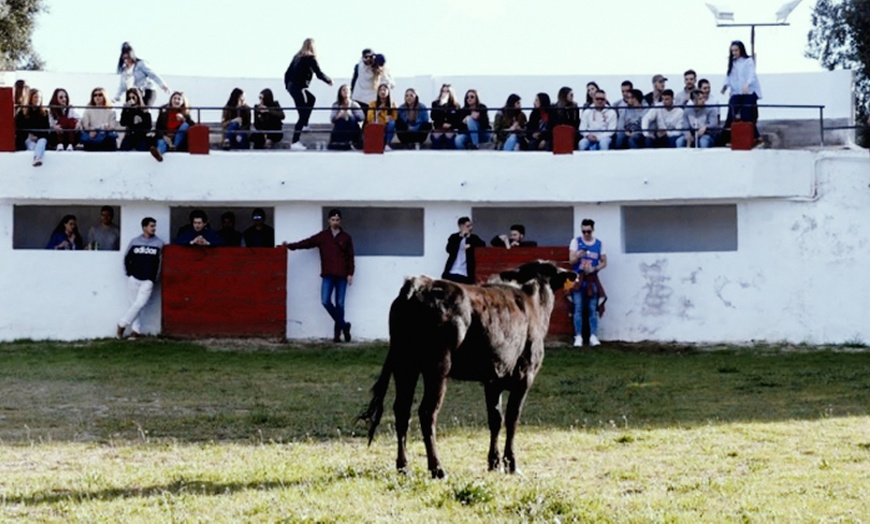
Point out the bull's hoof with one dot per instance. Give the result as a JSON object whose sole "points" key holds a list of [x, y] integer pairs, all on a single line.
{"points": [[438, 473], [510, 465], [403, 471], [495, 464]]}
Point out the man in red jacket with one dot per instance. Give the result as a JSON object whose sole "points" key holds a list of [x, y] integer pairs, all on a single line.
{"points": [[336, 269]]}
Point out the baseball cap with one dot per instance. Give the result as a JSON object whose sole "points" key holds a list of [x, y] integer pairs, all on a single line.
{"points": [[258, 214], [659, 77]]}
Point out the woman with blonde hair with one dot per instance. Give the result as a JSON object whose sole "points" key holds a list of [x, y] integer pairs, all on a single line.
{"points": [[297, 78], [173, 121], [99, 124]]}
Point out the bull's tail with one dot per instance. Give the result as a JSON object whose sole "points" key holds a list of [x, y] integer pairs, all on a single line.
{"points": [[372, 415]]}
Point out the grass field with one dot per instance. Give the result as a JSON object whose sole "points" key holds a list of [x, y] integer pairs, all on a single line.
{"points": [[241, 431]]}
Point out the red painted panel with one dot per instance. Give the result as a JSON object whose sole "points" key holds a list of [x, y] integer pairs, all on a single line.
{"points": [[224, 292], [563, 140], [197, 140], [742, 136], [492, 260], [373, 138], [7, 119]]}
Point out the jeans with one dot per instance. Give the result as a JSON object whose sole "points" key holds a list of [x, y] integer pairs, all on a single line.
{"points": [[338, 285], [102, 141], [37, 146], [592, 303], [475, 134], [238, 139], [412, 134], [346, 132], [602, 144], [177, 141], [389, 132], [703, 141], [304, 101], [441, 140], [663, 141], [511, 143], [633, 141]]}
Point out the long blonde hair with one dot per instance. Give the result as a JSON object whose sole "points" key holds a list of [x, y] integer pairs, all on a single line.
{"points": [[307, 48]]}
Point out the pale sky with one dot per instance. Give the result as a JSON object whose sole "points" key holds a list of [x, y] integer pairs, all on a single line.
{"points": [[256, 39]]}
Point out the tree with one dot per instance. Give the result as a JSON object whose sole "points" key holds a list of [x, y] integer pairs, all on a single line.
{"points": [[17, 20]]}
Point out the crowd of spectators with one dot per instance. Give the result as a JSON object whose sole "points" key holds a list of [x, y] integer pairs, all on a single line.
{"points": [[661, 118]]}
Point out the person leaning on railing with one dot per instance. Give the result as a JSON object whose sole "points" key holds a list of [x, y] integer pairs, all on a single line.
{"points": [[345, 117], [99, 124], [173, 122], [63, 121], [236, 121], [136, 120], [510, 125], [413, 124], [269, 117], [33, 120], [383, 111], [474, 117]]}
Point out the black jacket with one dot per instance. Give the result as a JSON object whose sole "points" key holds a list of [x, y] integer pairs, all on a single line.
{"points": [[301, 70], [473, 241]]}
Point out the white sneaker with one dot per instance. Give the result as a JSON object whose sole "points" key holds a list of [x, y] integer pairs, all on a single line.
{"points": [[578, 341], [593, 341], [388, 148], [70, 147], [59, 147], [298, 146]]}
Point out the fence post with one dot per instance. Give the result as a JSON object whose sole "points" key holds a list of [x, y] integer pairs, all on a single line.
{"points": [[822, 125], [563, 140], [7, 119], [373, 139], [197, 140]]}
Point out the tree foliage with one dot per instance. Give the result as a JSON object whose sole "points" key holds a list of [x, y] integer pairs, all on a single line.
{"points": [[17, 21]]}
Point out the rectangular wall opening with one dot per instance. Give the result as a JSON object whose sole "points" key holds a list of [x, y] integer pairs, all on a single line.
{"points": [[680, 229], [33, 226], [548, 226], [383, 231]]}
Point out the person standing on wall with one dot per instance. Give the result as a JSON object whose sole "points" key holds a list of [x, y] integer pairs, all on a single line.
{"points": [[460, 253], [336, 269], [142, 263], [297, 78], [587, 258], [742, 81]]}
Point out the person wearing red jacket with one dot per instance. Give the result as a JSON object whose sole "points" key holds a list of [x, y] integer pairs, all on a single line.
{"points": [[336, 269]]}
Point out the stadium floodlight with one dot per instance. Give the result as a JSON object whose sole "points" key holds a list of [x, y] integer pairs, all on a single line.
{"points": [[721, 13], [786, 9]]}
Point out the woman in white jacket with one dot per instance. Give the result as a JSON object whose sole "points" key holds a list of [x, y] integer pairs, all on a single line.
{"points": [[742, 81]]}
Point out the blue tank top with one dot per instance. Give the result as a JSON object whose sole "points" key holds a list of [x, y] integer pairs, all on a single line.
{"points": [[592, 257]]}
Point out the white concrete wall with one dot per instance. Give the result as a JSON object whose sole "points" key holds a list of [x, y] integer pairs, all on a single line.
{"points": [[833, 89], [798, 273]]}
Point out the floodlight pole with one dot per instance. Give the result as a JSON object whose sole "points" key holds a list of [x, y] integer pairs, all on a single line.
{"points": [[753, 26]]}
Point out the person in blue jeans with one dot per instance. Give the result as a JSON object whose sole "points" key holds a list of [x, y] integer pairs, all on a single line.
{"points": [[587, 258], [173, 122], [475, 120], [336, 269], [236, 121]]}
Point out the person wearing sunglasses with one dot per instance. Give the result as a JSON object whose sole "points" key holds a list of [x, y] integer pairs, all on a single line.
{"points": [[587, 257], [597, 124]]}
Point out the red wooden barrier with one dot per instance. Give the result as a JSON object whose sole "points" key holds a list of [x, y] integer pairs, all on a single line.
{"points": [[373, 138], [224, 292], [492, 260], [563, 140], [7, 119], [742, 136], [197, 140]]}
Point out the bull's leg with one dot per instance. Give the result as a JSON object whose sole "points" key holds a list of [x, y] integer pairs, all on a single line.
{"points": [[512, 416], [405, 385], [434, 387], [494, 416]]}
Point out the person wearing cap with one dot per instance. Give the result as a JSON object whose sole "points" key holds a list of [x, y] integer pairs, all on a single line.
{"points": [[336, 269], [654, 97], [516, 238], [259, 234]]}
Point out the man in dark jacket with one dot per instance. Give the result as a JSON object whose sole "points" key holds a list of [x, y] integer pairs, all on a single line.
{"points": [[460, 253], [336, 269], [199, 234], [516, 238]]}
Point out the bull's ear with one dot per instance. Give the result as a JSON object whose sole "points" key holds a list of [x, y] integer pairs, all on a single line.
{"points": [[510, 276], [563, 280]]}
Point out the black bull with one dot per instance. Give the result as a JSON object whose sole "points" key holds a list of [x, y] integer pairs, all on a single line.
{"points": [[492, 334]]}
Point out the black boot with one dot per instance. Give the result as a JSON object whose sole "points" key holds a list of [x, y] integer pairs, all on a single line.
{"points": [[336, 333], [346, 331]]}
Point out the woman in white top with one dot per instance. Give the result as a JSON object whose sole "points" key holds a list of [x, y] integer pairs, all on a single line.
{"points": [[134, 72], [743, 84]]}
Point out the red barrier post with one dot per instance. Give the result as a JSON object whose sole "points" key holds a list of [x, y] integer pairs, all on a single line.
{"points": [[197, 140], [7, 119], [563, 140], [742, 136], [373, 139]]}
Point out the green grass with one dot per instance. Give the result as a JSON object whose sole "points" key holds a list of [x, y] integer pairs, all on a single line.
{"points": [[252, 431]]}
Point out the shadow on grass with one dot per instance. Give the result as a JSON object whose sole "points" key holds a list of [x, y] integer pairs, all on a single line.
{"points": [[255, 391]]}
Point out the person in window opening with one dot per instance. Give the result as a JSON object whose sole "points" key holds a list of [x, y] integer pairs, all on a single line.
{"points": [[199, 234], [345, 117], [336, 269], [475, 127], [460, 266], [236, 121], [134, 72], [446, 119], [136, 119], [230, 236], [142, 264], [259, 234], [66, 235], [297, 78], [33, 119], [63, 120], [99, 124], [540, 126], [173, 122], [383, 111], [268, 121], [745, 89], [516, 238], [413, 124], [105, 236], [510, 125], [587, 257]]}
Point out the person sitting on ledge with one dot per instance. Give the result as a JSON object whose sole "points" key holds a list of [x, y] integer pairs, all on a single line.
{"points": [[173, 122], [199, 234], [99, 124], [516, 238]]}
